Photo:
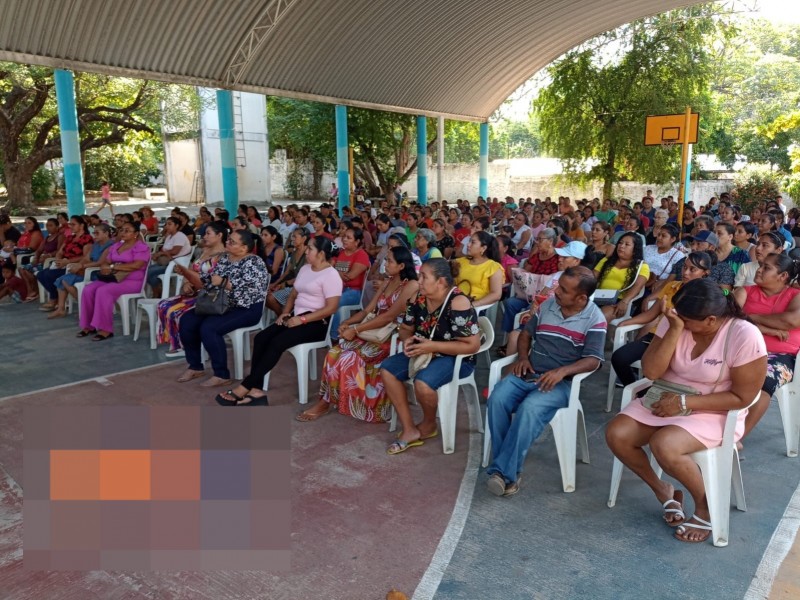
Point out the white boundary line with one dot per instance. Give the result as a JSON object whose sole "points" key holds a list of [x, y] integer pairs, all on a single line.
{"points": [[430, 581], [777, 549], [98, 379]]}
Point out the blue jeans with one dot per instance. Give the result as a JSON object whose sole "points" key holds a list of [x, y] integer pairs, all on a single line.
{"points": [[511, 439], [438, 372], [210, 330], [512, 306], [349, 296]]}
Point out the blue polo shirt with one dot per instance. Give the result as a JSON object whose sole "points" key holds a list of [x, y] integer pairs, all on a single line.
{"points": [[558, 341]]}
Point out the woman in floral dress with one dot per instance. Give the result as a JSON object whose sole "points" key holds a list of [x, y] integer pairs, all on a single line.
{"points": [[351, 376]]}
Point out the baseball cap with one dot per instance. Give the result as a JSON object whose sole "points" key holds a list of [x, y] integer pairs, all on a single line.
{"points": [[573, 249], [706, 236]]}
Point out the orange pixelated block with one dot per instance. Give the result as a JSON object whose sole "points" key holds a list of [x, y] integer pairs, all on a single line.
{"points": [[125, 474], [74, 474], [176, 475]]}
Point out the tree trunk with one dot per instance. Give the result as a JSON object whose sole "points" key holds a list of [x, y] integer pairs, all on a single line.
{"points": [[316, 191], [20, 192], [608, 178]]}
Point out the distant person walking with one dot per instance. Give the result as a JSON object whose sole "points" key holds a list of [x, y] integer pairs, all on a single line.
{"points": [[105, 189]]}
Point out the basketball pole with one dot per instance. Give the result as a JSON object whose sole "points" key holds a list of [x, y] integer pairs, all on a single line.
{"points": [[684, 162]]}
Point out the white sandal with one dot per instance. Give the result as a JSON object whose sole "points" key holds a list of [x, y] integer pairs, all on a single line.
{"points": [[701, 524], [678, 512]]}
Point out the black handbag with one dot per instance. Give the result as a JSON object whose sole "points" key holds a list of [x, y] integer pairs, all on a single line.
{"points": [[213, 300]]}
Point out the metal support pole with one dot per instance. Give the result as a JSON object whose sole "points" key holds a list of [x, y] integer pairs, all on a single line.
{"points": [[687, 188], [684, 171], [342, 173], [70, 142], [439, 158], [227, 151], [483, 181], [422, 160]]}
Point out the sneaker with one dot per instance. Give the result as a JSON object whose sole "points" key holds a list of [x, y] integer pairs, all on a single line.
{"points": [[496, 485], [513, 487], [176, 354], [618, 383]]}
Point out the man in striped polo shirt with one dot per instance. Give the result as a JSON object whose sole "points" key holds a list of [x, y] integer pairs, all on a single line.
{"points": [[566, 337]]}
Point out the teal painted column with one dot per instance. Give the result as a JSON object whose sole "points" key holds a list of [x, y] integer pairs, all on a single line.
{"points": [[422, 160], [342, 157], [227, 151], [483, 181], [688, 186], [70, 141]]}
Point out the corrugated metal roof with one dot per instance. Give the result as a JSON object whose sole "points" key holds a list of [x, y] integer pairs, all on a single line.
{"points": [[458, 58]]}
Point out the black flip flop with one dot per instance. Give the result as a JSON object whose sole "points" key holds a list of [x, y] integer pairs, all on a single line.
{"points": [[254, 401], [100, 338], [83, 333], [225, 402]]}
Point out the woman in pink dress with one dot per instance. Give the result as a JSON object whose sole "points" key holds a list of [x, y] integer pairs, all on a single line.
{"points": [[351, 379], [130, 255], [704, 343]]}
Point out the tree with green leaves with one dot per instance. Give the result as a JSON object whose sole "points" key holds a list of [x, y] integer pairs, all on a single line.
{"points": [[592, 113], [111, 111]]}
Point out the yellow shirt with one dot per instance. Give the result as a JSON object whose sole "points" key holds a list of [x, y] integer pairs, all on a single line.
{"points": [[473, 280], [615, 278]]}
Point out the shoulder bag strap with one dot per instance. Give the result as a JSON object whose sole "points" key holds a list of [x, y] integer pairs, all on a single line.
{"points": [[724, 354], [441, 311]]}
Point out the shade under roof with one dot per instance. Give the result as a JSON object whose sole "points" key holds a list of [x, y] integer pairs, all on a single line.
{"points": [[457, 58]]}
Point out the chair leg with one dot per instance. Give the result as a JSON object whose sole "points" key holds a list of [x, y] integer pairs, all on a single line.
{"points": [[565, 425], [737, 482], [124, 313], [151, 319], [313, 361], [302, 376], [487, 441], [447, 416], [789, 405], [238, 359], [471, 396], [616, 478], [393, 421], [612, 379], [583, 439], [717, 471], [137, 323]]}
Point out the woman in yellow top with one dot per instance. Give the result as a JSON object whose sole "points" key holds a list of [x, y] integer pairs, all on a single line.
{"points": [[480, 274], [626, 271], [696, 266]]}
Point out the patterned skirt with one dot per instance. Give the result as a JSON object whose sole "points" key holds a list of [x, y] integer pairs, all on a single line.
{"points": [[351, 380], [780, 370]]}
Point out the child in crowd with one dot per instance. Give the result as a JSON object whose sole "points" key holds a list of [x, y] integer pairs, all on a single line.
{"points": [[12, 285]]}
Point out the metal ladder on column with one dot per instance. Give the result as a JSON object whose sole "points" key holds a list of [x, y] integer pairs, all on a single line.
{"points": [[238, 130], [198, 195]]}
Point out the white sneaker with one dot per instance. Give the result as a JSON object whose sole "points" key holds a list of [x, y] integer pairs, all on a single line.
{"points": [[176, 354]]}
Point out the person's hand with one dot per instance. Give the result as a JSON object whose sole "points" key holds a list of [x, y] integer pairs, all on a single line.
{"points": [[273, 287], [342, 328], [282, 318], [348, 334], [781, 334], [550, 379], [675, 322], [105, 269], [293, 322], [416, 345], [668, 406], [620, 308], [522, 367], [216, 280], [526, 317]]}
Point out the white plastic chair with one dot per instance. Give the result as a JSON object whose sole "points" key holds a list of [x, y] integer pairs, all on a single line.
{"points": [[169, 277], [301, 356], [621, 337], [719, 466], [789, 404], [240, 343], [346, 310], [448, 394], [43, 296], [124, 304], [568, 424], [149, 306], [79, 285]]}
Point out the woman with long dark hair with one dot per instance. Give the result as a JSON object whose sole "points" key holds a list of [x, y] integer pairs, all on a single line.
{"points": [[351, 377], [480, 274], [626, 271], [706, 344]]}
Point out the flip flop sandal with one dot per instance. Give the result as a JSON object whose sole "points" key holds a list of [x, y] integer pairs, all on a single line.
{"points": [[225, 402], [677, 498], [307, 417], [701, 524], [400, 446], [189, 375], [424, 437], [100, 338], [254, 401], [84, 333]]}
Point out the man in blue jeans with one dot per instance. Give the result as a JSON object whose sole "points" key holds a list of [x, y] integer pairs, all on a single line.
{"points": [[564, 338]]}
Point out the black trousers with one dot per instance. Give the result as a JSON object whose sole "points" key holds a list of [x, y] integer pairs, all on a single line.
{"points": [[270, 344], [624, 357]]}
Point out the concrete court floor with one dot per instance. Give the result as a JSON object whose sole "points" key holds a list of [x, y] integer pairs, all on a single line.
{"points": [[542, 543]]}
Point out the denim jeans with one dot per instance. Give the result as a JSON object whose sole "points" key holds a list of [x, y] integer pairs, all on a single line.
{"points": [[438, 372], [512, 306], [532, 411], [349, 296]]}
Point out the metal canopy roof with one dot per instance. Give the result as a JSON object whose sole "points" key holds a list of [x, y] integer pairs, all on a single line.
{"points": [[457, 58]]}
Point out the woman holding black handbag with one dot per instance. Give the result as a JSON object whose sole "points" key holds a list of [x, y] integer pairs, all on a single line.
{"points": [[314, 298], [245, 280]]}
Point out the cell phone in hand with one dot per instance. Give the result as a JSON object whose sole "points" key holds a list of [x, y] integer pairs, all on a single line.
{"points": [[531, 377]]}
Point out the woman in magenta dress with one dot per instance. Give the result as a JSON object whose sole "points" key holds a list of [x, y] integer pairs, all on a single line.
{"points": [[129, 255], [351, 378], [704, 343]]}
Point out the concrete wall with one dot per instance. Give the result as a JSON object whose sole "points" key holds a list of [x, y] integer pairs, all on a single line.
{"points": [[183, 166], [252, 147]]}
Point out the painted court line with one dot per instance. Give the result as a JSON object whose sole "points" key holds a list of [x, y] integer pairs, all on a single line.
{"points": [[101, 379], [430, 581], [777, 549]]}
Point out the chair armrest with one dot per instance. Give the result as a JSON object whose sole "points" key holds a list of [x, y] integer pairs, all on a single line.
{"points": [[631, 390], [87, 274], [621, 334], [496, 369]]}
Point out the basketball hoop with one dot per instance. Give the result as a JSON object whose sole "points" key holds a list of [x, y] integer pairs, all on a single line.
{"points": [[668, 144]]}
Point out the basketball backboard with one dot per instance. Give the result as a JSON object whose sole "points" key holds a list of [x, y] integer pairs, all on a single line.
{"points": [[668, 129]]}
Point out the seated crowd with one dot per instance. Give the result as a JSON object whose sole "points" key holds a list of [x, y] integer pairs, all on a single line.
{"points": [[718, 290]]}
